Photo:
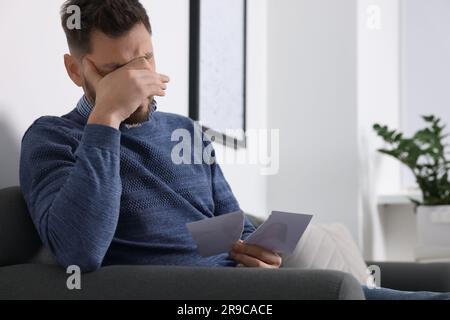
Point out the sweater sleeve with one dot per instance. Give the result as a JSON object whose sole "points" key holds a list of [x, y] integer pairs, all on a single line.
{"points": [[73, 192]]}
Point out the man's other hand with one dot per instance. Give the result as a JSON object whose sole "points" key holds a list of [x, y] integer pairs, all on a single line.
{"points": [[251, 256]]}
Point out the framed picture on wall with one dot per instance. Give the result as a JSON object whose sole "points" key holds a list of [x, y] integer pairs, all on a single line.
{"points": [[218, 52]]}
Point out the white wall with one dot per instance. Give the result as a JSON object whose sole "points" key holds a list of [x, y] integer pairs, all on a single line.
{"points": [[425, 66], [34, 81], [425, 57], [312, 99], [378, 102]]}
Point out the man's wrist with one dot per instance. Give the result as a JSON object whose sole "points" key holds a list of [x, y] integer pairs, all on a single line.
{"points": [[104, 119]]}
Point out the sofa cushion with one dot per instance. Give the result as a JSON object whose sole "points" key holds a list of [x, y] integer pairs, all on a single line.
{"points": [[328, 247], [19, 241]]}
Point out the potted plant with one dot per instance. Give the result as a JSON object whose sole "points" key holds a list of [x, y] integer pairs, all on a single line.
{"points": [[425, 153]]}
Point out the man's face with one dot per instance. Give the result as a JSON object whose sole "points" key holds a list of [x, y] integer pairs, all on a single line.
{"points": [[109, 54]]}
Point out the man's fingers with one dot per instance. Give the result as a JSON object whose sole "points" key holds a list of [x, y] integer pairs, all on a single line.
{"points": [[258, 253], [164, 78], [160, 93], [250, 262], [150, 77], [90, 72], [149, 83], [140, 63], [154, 90]]}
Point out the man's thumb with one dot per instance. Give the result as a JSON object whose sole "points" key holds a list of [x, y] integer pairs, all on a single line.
{"points": [[90, 72]]}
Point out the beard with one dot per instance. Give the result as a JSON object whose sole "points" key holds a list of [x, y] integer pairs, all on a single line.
{"points": [[141, 115]]}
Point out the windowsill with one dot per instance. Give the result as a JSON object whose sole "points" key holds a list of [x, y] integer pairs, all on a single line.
{"points": [[400, 198]]}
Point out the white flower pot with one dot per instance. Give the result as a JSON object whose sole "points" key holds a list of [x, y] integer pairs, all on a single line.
{"points": [[433, 226]]}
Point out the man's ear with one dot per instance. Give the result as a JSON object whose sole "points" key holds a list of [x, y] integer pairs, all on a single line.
{"points": [[73, 68]]}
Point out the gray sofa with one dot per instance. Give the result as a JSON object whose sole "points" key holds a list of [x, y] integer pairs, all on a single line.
{"points": [[27, 271]]}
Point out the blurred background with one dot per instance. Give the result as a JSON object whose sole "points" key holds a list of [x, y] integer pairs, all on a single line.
{"points": [[321, 71]]}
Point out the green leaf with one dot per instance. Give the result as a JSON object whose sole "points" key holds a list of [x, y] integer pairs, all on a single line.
{"points": [[415, 201], [429, 118]]}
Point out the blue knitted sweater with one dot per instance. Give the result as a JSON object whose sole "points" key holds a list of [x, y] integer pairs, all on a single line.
{"points": [[100, 196]]}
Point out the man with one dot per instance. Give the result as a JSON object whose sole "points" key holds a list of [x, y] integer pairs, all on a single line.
{"points": [[99, 182]]}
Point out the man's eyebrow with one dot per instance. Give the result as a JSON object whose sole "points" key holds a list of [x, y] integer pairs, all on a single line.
{"points": [[116, 65]]}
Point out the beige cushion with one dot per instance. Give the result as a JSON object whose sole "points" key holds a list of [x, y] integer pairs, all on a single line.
{"points": [[328, 247]]}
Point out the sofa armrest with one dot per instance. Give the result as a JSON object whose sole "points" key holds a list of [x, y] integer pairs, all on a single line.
{"points": [[178, 283], [434, 277]]}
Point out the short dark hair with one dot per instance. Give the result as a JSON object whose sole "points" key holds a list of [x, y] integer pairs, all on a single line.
{"points": [[111, 17]]}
